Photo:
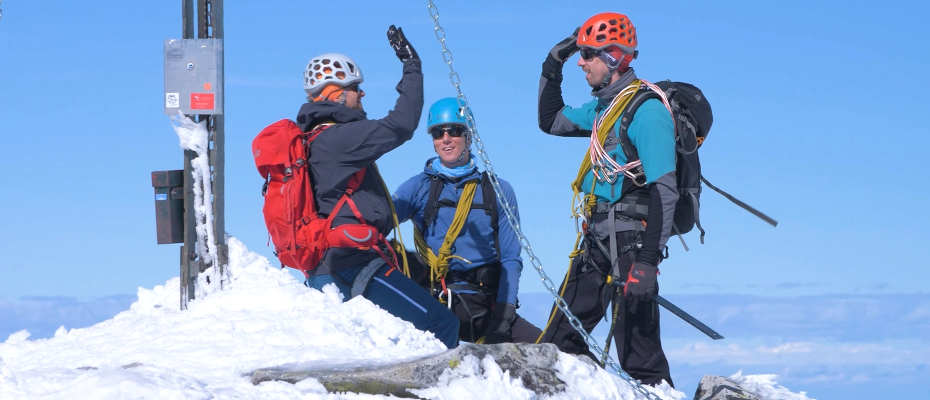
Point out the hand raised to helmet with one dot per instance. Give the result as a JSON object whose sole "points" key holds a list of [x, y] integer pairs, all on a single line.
{"points": [[566, 48], [401, 46]]}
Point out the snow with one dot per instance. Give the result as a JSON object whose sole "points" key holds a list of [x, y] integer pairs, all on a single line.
{"points": [[264, 318], [195, 137]]}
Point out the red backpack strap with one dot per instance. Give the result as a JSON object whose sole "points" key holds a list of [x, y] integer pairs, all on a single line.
{"points": [[355, 181], [316, 131]]}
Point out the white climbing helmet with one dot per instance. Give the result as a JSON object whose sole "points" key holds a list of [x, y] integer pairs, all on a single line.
{"points": [[328, 68]]}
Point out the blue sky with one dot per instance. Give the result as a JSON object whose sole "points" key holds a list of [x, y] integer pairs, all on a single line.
{"points": [[818, 123]]}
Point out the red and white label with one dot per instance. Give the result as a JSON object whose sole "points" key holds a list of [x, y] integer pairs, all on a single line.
{"points": [[202, 101]]}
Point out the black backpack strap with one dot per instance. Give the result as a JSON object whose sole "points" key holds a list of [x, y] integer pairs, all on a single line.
{"points": [[432, 203], [627, 118], [490, 201]]}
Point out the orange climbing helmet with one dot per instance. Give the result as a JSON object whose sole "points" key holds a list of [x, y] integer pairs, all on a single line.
{"points": [[607, 29]]}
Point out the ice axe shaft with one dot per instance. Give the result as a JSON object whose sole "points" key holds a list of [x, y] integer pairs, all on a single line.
{"points": [[688, 318], [679, 312], [662, 301]]}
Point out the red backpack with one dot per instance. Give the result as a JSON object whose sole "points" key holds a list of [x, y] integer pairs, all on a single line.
{"points": [[299, 234]]}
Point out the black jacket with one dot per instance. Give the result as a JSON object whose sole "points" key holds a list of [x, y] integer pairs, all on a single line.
{"points": [[356, 142]]}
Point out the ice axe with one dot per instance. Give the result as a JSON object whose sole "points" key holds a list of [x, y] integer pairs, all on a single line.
{"points": [[618, 282]]}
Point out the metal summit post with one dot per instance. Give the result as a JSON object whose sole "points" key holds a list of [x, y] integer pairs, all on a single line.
{"points": [[194, 87]]}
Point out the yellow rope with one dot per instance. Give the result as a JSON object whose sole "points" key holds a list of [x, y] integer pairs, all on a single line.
{"points": [[439, 263], [405, 268]]}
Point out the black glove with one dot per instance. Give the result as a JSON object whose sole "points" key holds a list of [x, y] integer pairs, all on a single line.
{"points": [[566, 48], [501, 327], [401, 46], [641, 282]]}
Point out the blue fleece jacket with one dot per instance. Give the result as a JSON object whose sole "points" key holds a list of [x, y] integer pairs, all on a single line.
{"points": [[476, 240]]}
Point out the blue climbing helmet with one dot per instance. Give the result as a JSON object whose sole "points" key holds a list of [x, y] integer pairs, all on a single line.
{"points": [[445, 112]]}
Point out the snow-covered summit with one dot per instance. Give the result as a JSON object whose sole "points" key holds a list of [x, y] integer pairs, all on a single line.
{"points": [[264, 318]]}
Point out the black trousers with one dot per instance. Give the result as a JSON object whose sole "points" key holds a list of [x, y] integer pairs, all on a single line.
{"points": [[474, 311], [636, 331]]}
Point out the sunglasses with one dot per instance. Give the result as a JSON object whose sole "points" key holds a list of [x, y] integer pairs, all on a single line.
{"points": [[453, 130], [588, 53], [354, 88]]}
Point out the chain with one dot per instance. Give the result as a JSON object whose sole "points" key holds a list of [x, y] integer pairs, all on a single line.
{"points": [[512, 218]]}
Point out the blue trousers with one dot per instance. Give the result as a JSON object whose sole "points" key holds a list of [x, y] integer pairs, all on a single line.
{"points": [[391, 290]]}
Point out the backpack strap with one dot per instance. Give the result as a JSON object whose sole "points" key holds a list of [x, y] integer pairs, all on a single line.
{"points": [[632, 154], [433, 204], [490, 201], [629, 150], [432, 201]]}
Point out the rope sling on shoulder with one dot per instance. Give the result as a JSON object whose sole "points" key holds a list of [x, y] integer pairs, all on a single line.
{"points": [[512, 218], [439, 262]]}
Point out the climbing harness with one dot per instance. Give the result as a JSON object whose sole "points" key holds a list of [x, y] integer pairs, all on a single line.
{"points": [[511, 217]]}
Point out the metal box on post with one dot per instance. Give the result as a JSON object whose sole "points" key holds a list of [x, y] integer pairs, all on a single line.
{"points": [[194, 76], [169, 205]]}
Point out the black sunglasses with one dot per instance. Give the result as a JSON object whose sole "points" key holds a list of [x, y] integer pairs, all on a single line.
{"points": [[588, 53], [354, 88], [453, 130]]}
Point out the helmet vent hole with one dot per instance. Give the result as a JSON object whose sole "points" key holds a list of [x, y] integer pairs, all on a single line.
{"points": [[341, 75], [337, 64], [601, 27], [601, 38], [327, 70], [325, 61], [612, 22]]}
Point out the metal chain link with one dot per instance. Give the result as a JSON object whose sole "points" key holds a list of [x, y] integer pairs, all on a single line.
{"points": [[511, 217]]}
